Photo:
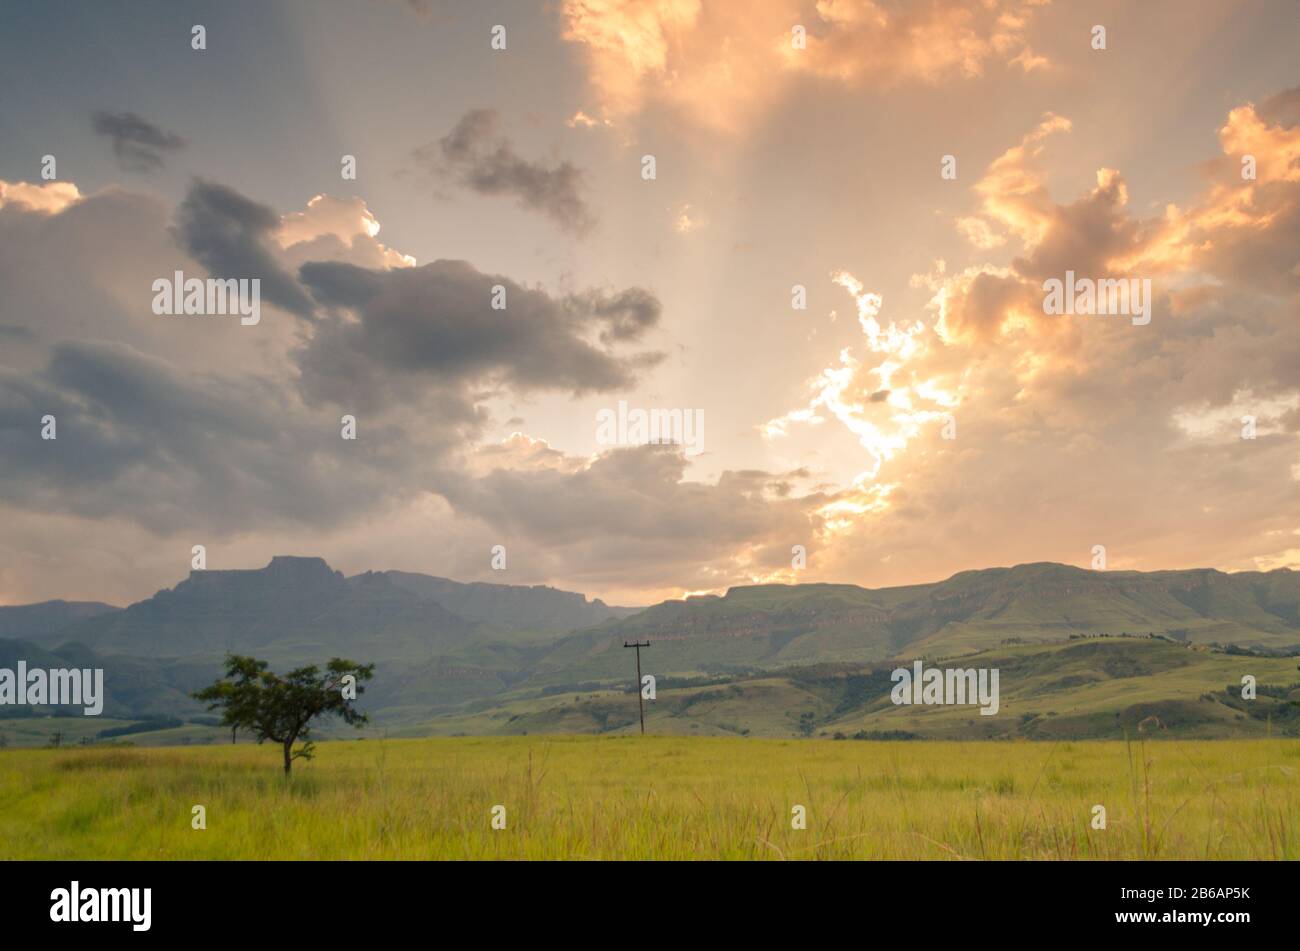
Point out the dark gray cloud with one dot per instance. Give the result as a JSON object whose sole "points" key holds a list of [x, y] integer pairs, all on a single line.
{"points": [[177, 424], [476, 156], [139, 438], [624, 316], [433, 326], [138, 144], [175, 451], [229, 234]]}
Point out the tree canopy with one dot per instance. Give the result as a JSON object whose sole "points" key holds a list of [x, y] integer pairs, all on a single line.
{"points": [[281, 709]]}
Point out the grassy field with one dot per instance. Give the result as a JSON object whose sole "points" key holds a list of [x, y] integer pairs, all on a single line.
{"points": [[658, 797]]}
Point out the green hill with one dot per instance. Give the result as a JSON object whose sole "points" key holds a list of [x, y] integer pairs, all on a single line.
{"points": [[1103, 687], [770, 626]]}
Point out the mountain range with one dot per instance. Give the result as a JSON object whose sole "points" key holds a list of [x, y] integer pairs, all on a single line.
{"points": [[451, 653]]}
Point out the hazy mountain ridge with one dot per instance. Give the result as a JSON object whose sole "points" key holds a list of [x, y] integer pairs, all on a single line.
{"points": [[44, 622], [511, 607]]}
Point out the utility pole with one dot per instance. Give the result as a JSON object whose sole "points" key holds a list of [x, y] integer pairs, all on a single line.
{"points": [[640, 700]]}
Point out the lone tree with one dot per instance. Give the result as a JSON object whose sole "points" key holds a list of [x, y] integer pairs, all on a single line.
{"points": [[280, 709]]}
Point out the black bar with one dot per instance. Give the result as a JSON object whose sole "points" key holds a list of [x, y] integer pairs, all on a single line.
{"points": [[976, 901]]}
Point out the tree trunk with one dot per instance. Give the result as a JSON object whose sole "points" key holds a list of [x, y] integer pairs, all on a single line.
{"points": [[288, 756]]}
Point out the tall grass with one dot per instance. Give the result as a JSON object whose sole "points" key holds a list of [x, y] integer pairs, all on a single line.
{"points": [[659, 797]]}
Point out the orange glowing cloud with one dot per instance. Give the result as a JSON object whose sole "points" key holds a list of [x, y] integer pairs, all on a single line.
{"points": [[721, 68], [1245, 226], [48, 198], [927, 40]]}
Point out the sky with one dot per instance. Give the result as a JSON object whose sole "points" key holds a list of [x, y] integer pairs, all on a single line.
{"points": [[839, 267]]}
